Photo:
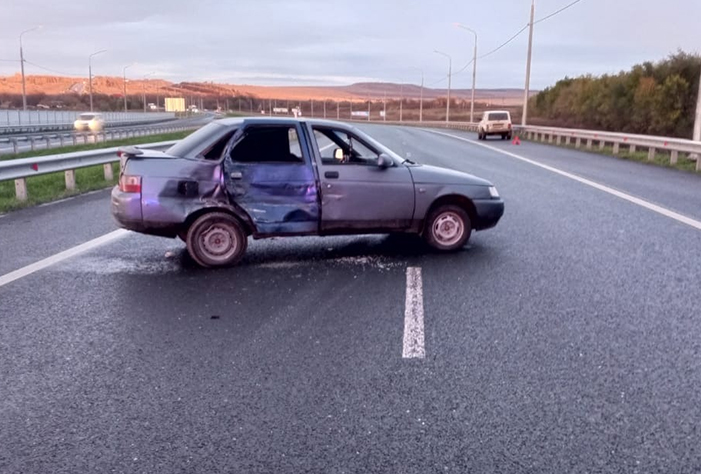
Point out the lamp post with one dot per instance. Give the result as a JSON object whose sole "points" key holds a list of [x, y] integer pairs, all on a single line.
{"points": [[90, 73], [450, 75], [421, 100], [474, 71], [146, 77], [21, 60], [124, 75]]}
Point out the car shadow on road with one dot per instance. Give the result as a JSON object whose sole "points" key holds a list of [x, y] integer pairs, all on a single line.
{"points": [[382, 250]]}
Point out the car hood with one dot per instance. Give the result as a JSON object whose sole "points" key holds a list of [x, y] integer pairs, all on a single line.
{"points": [[437, 175]]}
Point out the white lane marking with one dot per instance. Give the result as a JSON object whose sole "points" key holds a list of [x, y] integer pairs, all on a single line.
{"points": [[628, 197], [413, 347], [59, 257], [70, 198]]}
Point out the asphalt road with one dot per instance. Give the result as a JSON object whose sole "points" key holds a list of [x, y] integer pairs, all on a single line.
{"points": [[566, 339]]}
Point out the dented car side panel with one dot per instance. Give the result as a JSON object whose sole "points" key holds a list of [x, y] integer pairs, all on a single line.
{"points": [[279, 198]]}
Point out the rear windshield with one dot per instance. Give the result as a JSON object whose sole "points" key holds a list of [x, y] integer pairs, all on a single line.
{"points": [[498, 116], [190, 146]]}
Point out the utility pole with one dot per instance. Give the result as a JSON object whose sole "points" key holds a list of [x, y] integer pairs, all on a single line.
{"points": [[324, 108], [474, 71], [697, 125], [697, 122], [124, 76], [312, 107], [369, 108], [21, 60], [401, 102], [90, 73], [450, 76], [384, 107], [145, 77], [421, 100], [338, 110], [524, 118]]}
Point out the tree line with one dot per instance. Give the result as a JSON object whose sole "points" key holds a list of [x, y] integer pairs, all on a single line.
{"points": [[655, 98]]}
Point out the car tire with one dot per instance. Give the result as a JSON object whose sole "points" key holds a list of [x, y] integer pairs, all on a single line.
{"points": [[216, 240], [447, 228]]}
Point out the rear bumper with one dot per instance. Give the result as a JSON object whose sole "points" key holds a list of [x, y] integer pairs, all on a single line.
{"points": [[126, 209], [488, 212]]}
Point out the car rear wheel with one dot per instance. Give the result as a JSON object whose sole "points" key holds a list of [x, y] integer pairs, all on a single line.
{"points": [[448, 228], [216, 240]]}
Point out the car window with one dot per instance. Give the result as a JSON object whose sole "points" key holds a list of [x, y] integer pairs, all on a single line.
{"points": [[498, 116], [215, 151], [268, 144], [355, 151], [190, 146], [86, 116]]}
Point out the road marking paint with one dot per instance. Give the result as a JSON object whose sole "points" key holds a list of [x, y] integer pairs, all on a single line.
{"points": [[70, 198], [628, 197], [61, 256], [413, 347]]}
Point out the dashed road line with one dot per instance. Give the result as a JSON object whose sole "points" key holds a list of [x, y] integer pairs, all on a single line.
{"points": [[413, 347]]}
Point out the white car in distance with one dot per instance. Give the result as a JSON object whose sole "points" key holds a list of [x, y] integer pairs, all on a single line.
{"points": [[495, 122], [89, 122]]}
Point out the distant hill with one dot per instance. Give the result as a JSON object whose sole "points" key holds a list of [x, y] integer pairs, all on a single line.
{"points": [[58, 85]]}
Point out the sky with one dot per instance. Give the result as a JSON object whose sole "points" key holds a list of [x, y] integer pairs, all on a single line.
{"points": [[338, 42]]}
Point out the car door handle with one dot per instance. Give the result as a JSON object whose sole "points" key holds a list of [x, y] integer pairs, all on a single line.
{"points": [[236, 175], [331, 174]]}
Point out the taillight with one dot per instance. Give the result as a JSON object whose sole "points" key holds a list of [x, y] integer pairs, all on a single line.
{"points": [[130, 183], [509, 126]]}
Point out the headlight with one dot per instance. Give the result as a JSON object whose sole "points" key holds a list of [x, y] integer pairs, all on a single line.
{"points": [[493, 192]]}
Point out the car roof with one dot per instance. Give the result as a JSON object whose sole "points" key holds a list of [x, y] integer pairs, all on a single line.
{"points": [[272, 120]]}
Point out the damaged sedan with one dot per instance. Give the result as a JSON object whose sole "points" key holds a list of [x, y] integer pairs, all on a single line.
{"points": [[266, 177]]}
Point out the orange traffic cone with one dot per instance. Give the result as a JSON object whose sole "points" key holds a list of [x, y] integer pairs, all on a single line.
{"points": [[517, 141]]}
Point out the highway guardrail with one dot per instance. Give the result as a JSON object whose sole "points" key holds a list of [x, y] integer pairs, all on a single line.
{"points": [[85, 138], [21, 169], [584, 138]]}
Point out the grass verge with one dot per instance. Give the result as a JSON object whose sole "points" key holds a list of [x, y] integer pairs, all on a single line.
{"points": [[662, 158], [162, 137], [52, 187]]}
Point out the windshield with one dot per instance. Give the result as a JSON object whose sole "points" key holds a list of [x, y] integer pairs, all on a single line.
{"points": [[86, 117]]}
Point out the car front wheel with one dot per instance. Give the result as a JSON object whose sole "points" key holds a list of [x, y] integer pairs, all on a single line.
{"points": [[216, 240], [448, 228]]}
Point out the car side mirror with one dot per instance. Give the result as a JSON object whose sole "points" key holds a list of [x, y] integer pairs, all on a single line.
{"points": [[338, 154], [384, 161]]}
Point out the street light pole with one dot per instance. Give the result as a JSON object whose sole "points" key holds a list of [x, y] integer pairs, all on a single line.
{"points": [[450, 75], [90, 73], [401, 102], [145, 77], [474, 71], [528, 67], [21, 61], [124, 75], [697, 122], [421, 100]]}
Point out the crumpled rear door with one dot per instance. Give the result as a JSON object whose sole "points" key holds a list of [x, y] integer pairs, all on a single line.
{"points": [[268, 173]]}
